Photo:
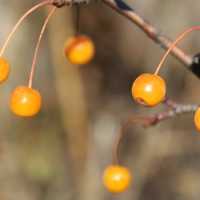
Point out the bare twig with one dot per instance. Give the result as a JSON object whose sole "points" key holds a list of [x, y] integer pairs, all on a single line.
{"points": [[144, 121], [128, 12], [177, 110], [61, 3], [190, 62], [147, 121]]}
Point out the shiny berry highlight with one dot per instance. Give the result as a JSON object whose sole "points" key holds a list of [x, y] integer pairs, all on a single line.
{"points": [[25, 101], [149, 89], [116, 178]]}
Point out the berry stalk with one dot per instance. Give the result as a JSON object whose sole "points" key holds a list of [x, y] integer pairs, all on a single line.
{"points": [[173, 45], [38, 46], [39, 5]]}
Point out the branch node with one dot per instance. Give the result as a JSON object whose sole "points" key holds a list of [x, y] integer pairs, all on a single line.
{"points": [[61, 3]]}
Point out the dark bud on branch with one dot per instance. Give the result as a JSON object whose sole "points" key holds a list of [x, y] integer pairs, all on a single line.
{"points": [[195, 67], [61, 3]]}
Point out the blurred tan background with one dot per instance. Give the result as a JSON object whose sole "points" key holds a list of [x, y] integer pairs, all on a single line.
{"points": [[61, 153]]}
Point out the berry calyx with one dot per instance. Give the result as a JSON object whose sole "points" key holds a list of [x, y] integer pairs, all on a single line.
{"points": [[116, 178], [4, 69], [149, 89], [25, 101], [79, 49], [197, 119]]}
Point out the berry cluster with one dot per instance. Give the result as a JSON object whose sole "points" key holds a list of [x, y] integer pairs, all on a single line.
{"points": [[26, 101], [148, 89]]}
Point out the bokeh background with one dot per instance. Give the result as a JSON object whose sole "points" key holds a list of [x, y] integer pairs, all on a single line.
{"points": [[61, 153]]}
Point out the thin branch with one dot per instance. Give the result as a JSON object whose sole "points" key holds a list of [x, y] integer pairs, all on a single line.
{"points": [[144, 121], [173, 110], [152, 32], [192, 63], [61, 3], [178, 110]]}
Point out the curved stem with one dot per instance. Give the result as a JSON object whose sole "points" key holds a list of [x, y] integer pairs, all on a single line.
{"points": [[38, 45], [115, 156], [173, 45], [145, 121], [43, 3]]}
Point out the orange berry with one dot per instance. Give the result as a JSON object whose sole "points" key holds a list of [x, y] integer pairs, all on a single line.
{"points": [[149, 89], [197, 119], [4, 69], [116, 178], [79, 49], [25, 101]]}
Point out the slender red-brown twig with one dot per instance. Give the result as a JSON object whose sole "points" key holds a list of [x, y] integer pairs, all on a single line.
{"points": [[39, 5], [30, 82], [144, 121], [174, 109]]}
